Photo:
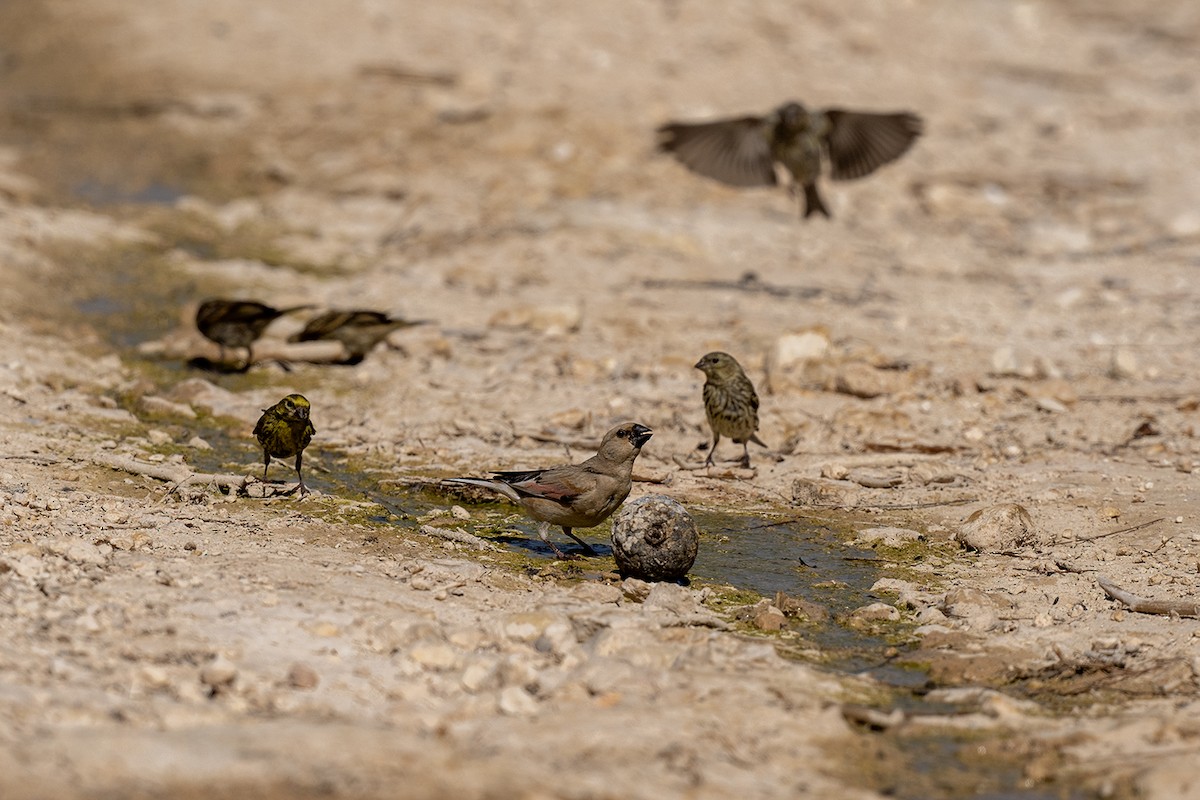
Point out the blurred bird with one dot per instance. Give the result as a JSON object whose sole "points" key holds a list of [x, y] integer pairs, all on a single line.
{"points": [[358, 331], [744, 151], [237, 323], [284, 430], [730, 403], [574, 495]]}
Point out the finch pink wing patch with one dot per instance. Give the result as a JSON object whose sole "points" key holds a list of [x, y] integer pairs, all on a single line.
{"points": [[537, 484]]}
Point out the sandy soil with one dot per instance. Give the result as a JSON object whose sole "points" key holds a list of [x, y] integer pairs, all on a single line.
{"points": [[1005, 316]]}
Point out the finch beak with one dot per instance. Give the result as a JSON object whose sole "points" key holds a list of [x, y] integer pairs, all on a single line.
{"points": [[641, 435], [302, 413], [699, 364]]}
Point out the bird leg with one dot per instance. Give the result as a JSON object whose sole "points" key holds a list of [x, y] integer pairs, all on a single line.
{"points": [[712, 451], [543, 530], [304, 489], [266, 463], [586, 547], [745, 455]]}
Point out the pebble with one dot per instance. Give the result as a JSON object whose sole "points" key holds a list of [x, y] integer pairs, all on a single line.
{"points": [[516, 702], [999, 528], [768, 618], [434, 655], [218, 673], [159, 405], [302, 676], [1123, 364], [875, 612], [807, 491], [887, 537], [791, 357], [155, 677], [859, 379], [478, 676]]}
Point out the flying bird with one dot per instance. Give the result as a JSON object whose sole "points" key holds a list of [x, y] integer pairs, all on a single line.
{"points": [[744, 151]]}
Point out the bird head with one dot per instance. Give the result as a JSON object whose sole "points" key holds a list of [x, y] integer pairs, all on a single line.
{"points": [[294, 407], [717, 365], [625, 439], [793, 117]]}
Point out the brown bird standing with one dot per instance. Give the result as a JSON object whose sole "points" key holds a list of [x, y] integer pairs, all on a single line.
{"points": [[358, 331], [730, 403], [237, 323], [743, 151], [574, 495]]}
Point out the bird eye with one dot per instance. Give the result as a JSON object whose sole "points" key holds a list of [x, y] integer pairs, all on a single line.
{"points": [[622, 434]]}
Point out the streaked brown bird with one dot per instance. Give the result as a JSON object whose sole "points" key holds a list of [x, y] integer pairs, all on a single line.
{"points": [[284, 430], [744, 151], [237, 323], [574, 495], [730, 403], [358, 331]]}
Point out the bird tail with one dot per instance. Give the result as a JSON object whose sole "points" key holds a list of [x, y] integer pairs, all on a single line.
{"points": [[495, 486], [754, 438], [813, 203]]}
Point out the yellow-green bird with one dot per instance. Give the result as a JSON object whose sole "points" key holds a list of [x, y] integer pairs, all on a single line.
{"points": [[237, 323], [284, 430], [358, 331]]}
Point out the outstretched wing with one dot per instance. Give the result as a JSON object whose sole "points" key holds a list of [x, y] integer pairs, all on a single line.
{"points": [[860, 143], [733, 151]]}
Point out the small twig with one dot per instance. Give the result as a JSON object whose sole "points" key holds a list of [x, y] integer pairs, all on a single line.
{"points": [[565, 441], [458, 535], [1135, 398], [871, 480], [697, 621], [916, 448], [1137, 527], [1142, 605], [178, 475], [894, 506]]}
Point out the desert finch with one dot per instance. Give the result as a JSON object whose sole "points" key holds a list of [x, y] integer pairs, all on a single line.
{"points": [[744, 151], [284, 430], [237, 323], [574, 495], [358, 331], [730, 403]]}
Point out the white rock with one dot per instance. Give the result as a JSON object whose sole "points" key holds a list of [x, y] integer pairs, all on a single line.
{"points": [[888, 537], [434, 655], [478, 676], [1000, 528], [516, 702], [875, 612], [1124, 364], [218, 673]]}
